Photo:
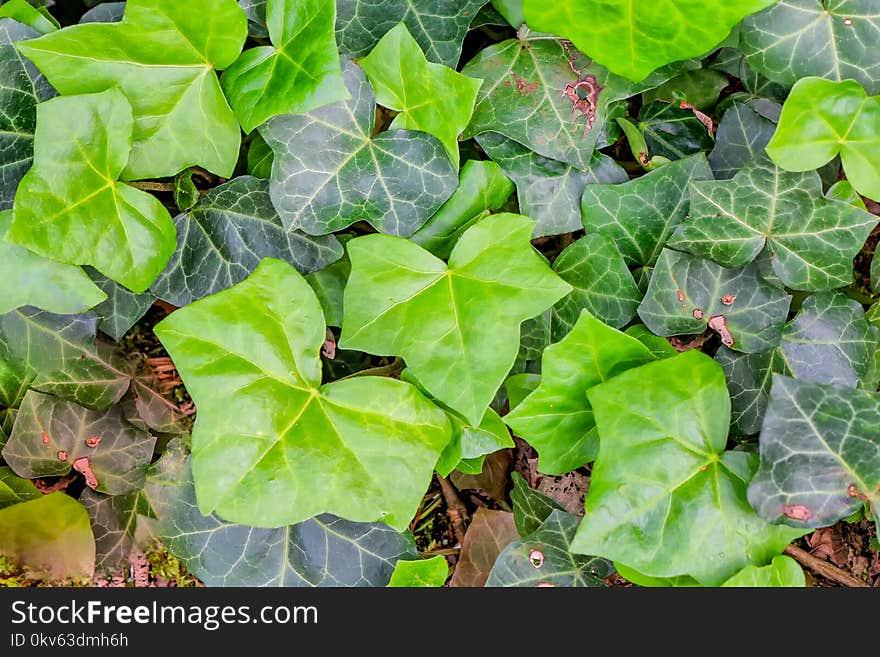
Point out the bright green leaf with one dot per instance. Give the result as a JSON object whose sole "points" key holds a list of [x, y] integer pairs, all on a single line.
{"points": [[641, 214], [163, 57], [812, 240], [658, 346], [52, 436], [830, 341], [820, 454], [640, 579], [32, 280], [430, 97], [50, 536], [821, 119], [330, 171], [260, 157], [635, 37], [402, 300], [543, 558], [300, 73], [482, 187], [69, 207], [15, 489], [519, 386], [833, 39], [267, 434], [556, 419], [224, 237], [424, 572], [782, 571], [549, 191], [665, 498], [186, 194], [25, 13]]}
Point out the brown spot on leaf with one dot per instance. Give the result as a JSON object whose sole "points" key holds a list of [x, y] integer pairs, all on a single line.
{"points": [[718, 323], [705, 119], [797, 512], [704, 468], [728, 299], [328, 349], [548, 585], [680, 295], [45, 438], [61, 455], [522, 86], [93, 441], [853, 491], [698, 313], [848, 22], [83, 465], [536, 558]]}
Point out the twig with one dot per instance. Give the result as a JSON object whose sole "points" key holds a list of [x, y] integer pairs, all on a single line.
{"points": [[823, 568], [455, 508], [148, 186], [394, 367]]}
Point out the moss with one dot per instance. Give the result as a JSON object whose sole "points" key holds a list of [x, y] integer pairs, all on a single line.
{"points": [[165, 565]]}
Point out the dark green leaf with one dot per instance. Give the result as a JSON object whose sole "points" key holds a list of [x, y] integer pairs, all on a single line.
{"points": [[223, 239], [256, 15], [329, 171], [122, 308], [260, 157], [530, 507], [672, 132], [699, 88], [27, 14], [106, 12], [820, 454], [114, 521], [742, 135]]}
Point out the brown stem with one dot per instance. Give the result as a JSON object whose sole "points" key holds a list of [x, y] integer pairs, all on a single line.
{"points": [[455, 508], [149, 186], [823, 568]]}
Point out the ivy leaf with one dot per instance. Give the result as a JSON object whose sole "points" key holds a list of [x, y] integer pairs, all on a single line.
{"points": [[687, 294], [114, 522], [106, 12], [51, 436], [800, 38], [742, 136], [672, 132], [329, 171], [121, 309], [14, 489], [420, 573], [782, 571], [635, 37], [23, 87], [482, 187], [641, 214], [830, 341], [260, 157], [400, 298], [267, 433], [602, 285], [223, 239], [322, 551], [556, 419], [32, 280], [26, 14], [732, 61], [699, 88], [467, 450], [543, 558], [528, 96], [549, 191], [658, 346], [163, 57], [821, 119], [431, 98], [15, 379], [49, 536], [812, 240], [439, 26], [300, 73], [665, 498], [530, 507], [487, 535], [820, 454], [89, 218], [328, 284], [255, 10]]}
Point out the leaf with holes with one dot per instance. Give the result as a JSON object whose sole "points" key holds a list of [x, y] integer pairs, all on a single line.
{"points": [[224, 237], [330, 171], [825, 38], [32, 280], [812, 240], [163, 57], [742, 136], [556, 419], [687, 295], [820, 454], [549, 191], [321, 551], [23, 87], [641, 214], [429, 97], [298, 73], [635, 37], [830, 341], [821, 119], [543, 558], [400, 298], [267, 432], [602, 285], [52, 436], [665, 497], [70, 207], [439, 26]]}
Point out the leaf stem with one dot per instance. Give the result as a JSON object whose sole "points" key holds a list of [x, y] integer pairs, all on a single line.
{"points": [[149, 186]]}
